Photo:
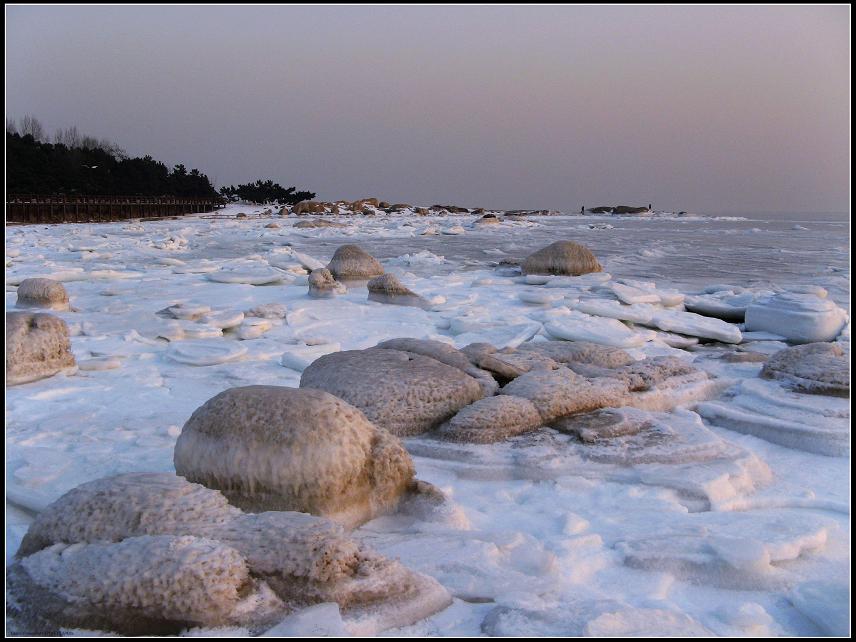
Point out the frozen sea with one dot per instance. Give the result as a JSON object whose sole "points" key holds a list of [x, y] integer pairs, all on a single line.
{"points": [[538, 539]]}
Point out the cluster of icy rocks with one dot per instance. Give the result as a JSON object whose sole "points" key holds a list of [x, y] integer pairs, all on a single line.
{"points": [[268, 479]]}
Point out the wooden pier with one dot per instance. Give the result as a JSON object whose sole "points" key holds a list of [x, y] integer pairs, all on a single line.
{"points": [[25, 208]]}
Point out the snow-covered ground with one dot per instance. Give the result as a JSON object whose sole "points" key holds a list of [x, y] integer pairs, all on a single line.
{"points": [[542, 537]]}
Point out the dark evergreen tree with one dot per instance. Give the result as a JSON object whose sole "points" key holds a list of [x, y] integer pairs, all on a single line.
{"points": [[266, 192]]}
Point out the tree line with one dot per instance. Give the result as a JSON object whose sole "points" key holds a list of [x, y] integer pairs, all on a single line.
{"points": [[71, 163]]}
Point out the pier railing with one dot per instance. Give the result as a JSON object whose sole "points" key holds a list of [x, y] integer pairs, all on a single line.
{"points": [[31, 208]]}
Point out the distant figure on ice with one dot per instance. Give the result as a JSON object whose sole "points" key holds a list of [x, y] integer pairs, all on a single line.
{"points": [[583, 209], [649, 206]]}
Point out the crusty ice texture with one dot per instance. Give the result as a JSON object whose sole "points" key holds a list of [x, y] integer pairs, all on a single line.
{"points": [[278, 448]]}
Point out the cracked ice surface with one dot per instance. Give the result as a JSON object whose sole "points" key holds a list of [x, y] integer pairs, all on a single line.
{"points": [[725, 521]]}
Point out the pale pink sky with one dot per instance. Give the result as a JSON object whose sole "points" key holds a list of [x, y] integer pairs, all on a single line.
{"points": [[705, 108]]}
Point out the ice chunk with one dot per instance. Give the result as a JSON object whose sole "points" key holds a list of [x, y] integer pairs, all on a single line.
{"points": [[205, 353], [805, 422], [637, 313], [696, 325], [801, 318], [257, 276], [578, 326], [299, 357]]}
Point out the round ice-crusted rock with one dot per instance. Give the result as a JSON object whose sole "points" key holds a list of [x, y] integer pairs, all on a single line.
{"points": [[386, 288], [352, 262], [142, 585], [278, 448], [561, 392], [444, 353], [113, 508], [492, 419], [323, 285], [301, 558], [402, 392], [815, 368], [42, 293], [37, 346], [562, 257]]}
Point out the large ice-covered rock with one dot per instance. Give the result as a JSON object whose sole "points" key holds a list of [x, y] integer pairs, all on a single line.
{"points": [[444, 353], [113, 508], [37, 346], [800, 318], [561, 392], [279, 561], [563, 258], [144, 585], [354, 263], [279, 448], [492, 419], [42, 293], [815, 368], [403, 392]]}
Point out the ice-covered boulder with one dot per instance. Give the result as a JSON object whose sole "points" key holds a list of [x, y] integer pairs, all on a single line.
{"points": [[354, 263], [322, 285], [444, 353], [279, 448], [42, 293], [279, 560], [815, 368], [403, 392], [492, 419], [113, 508], [561, 392], [146, 585], [37, 346], [386, 288], [800, 318], [561, 257]]}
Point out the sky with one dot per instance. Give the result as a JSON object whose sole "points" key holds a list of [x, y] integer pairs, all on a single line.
{"points": [[697, 108]]}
